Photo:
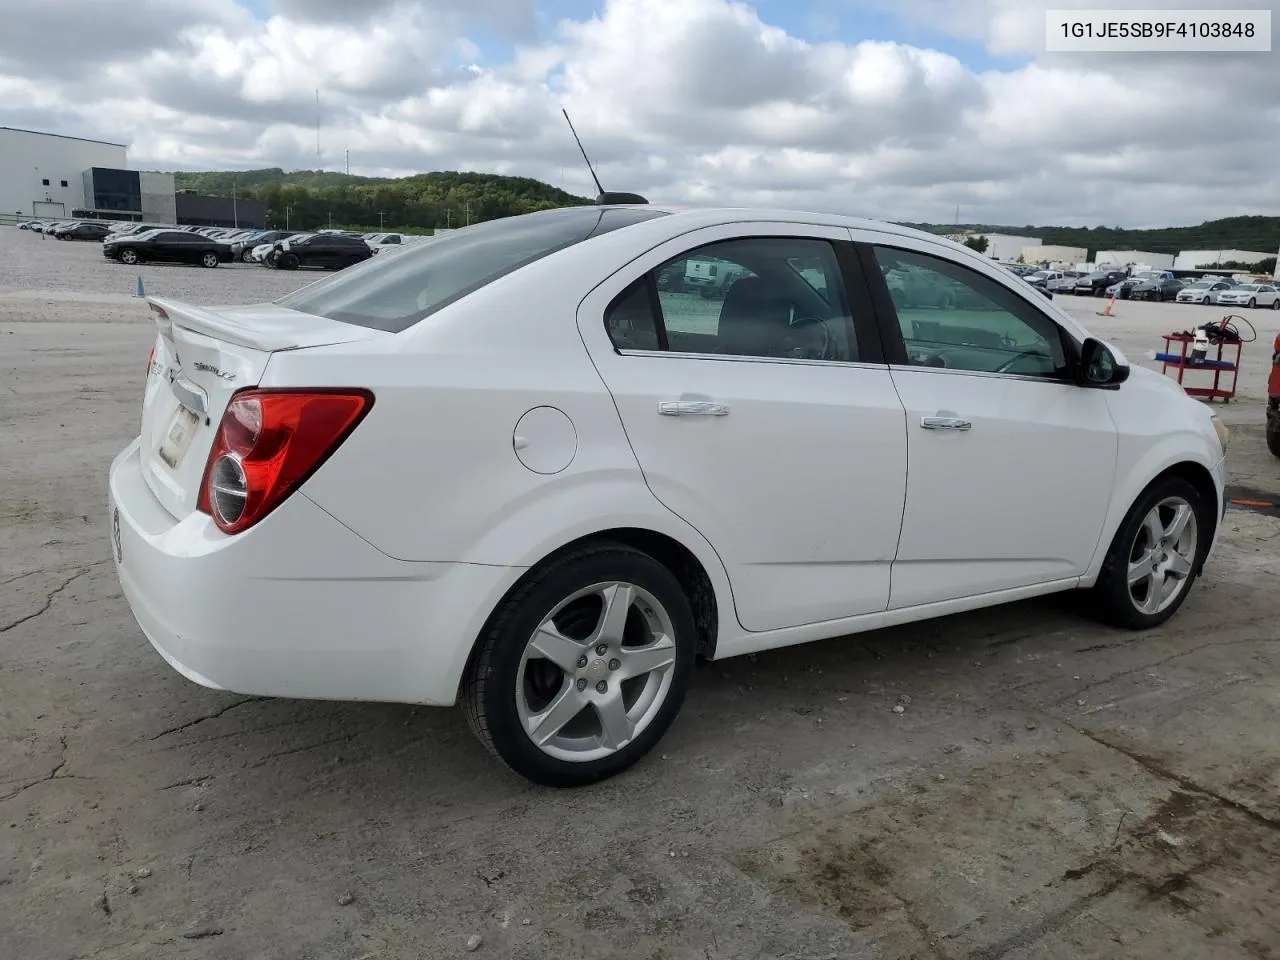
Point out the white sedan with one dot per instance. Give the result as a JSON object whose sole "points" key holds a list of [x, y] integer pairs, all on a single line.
{"points": [[1251, 295], [507, 468]]}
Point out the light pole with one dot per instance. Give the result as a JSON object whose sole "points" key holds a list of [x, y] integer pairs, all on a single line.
{"points": [[235, 212]]}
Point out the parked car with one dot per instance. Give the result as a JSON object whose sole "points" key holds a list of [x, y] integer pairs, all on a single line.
{"points": [[330, 251], [1096, 284], [376, 240], [1041, 278], [503, 469], [84, 231], [1147, 285], [242, 248], [1203, 291], [1065, 283], [1251, 295], [166, 246]]}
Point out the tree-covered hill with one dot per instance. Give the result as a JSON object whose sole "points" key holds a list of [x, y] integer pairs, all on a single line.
{"points": [[313, 198], [1261, 234], [443, 199]]}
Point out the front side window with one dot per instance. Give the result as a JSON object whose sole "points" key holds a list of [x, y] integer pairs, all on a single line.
{"points": [[956, 318], [394, 293], [766, 297]]}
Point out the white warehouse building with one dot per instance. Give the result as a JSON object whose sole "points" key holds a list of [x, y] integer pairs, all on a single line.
{"points": [[42, 174], [1143, 258], [50, 176], [1195, 259], [1054, 255], [1005, 246]]}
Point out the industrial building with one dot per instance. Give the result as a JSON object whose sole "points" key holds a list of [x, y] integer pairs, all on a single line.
{"points": [[1138, 258], [1054, 254], [55, 176], [198, 210], [1195, 259], [43, 174], [1004, 246]]}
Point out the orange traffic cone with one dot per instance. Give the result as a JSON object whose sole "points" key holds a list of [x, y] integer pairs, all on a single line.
{"points": [[1106, 311]]}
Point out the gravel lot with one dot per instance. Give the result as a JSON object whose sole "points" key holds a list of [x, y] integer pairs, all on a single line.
{"points": [[1050, 788]]}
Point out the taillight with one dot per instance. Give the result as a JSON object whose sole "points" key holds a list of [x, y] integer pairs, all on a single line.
{"points": [[151, 359], [268, 443]]}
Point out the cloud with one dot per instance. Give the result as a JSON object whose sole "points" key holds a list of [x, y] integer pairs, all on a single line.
{"points": [[683, 100]]}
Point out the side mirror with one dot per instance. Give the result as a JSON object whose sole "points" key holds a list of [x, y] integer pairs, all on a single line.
{"points": [[1100, 366]]}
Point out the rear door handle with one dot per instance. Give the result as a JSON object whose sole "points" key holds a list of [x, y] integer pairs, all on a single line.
{"points": [[692, 408], [945, 423]]}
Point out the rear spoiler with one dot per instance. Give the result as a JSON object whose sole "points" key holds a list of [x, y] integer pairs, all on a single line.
{"points": [[265, 327]]}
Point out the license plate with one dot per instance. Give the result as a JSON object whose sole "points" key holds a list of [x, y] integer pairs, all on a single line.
{"points": [[177, 438]]}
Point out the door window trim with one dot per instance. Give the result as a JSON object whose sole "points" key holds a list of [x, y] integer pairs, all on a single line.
{"points": [[863, 326], [895, 347]]}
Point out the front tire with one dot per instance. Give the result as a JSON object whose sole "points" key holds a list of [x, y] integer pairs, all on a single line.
{"points": [[288, 261], [1155, 556], [583, 667], [129, 256]]}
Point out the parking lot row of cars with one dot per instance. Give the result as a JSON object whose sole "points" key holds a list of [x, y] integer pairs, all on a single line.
{"points": [[1159, 285], [132, 243]]}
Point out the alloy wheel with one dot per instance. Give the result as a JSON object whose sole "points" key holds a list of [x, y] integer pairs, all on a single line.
{"points": [[596, 672], [1162, 557]]}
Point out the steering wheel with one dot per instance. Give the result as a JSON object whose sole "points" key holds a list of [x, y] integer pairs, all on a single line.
{"points": [[1008, 364], [810, 321]]}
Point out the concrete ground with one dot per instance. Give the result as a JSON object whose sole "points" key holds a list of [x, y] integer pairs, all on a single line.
{"points": [[1049, 789]]}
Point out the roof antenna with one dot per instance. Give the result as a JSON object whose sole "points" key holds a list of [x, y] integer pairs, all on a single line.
{"points": [[602, 196]]}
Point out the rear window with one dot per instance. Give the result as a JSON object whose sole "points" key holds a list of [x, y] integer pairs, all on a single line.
{"points": [[394, 293]]}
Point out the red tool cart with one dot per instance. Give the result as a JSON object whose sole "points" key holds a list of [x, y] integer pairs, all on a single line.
{"points": [[1177, 356]]}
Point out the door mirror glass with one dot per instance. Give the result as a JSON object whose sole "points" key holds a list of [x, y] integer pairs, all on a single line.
{"points": [[1099, 366]]}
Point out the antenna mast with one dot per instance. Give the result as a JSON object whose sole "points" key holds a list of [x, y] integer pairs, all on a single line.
{"points": [[599, 189]]}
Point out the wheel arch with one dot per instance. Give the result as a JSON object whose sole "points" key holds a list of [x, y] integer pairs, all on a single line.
{"points": [[683, 562], [1194, 472]]}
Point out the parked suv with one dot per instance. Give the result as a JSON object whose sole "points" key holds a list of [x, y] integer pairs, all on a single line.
{"points": [[330, 251], [1095, 284]]}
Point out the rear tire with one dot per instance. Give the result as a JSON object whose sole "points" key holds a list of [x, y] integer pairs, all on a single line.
{"points": [[596, 713], [288, 261], [246, 256], [209, 260], [1253, 303], [1273, 432], [1275, 304], [1162, 543]]}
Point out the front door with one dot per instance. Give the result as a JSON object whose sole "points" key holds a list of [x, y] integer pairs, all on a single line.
{"points": [[1010, 463], [759, 413]]}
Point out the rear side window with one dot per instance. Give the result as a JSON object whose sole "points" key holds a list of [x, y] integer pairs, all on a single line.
{"points": [[393, 294]]}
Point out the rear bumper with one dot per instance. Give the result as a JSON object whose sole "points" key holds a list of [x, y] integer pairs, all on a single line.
{"points": [[298, 606]]}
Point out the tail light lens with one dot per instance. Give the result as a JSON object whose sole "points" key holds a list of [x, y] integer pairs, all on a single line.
{"points": [[151, 358], [268, 443]]}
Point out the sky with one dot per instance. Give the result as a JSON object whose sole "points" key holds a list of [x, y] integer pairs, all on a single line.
{"points": [[896, 109]]}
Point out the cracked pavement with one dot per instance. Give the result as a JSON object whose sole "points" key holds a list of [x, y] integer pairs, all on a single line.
{"points": [[1051, 788]]}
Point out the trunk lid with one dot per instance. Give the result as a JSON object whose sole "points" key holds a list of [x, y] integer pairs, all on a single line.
{"points": [[204, 355]]}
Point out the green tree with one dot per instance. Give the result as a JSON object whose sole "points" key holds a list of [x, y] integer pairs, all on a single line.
{"points": [[976, 241]]}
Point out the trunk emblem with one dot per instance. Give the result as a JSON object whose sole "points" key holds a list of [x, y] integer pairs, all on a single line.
{"points": [[210, 368]]}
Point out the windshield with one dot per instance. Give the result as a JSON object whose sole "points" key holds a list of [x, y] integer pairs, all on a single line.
{"points": [[393, 294]]}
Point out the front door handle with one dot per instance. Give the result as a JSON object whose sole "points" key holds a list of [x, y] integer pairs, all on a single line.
{"points": [[945, 423], [692, 408]]}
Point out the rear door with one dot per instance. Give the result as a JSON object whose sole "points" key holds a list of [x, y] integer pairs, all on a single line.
{"points": [[1011, 464], [760, 412]]}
